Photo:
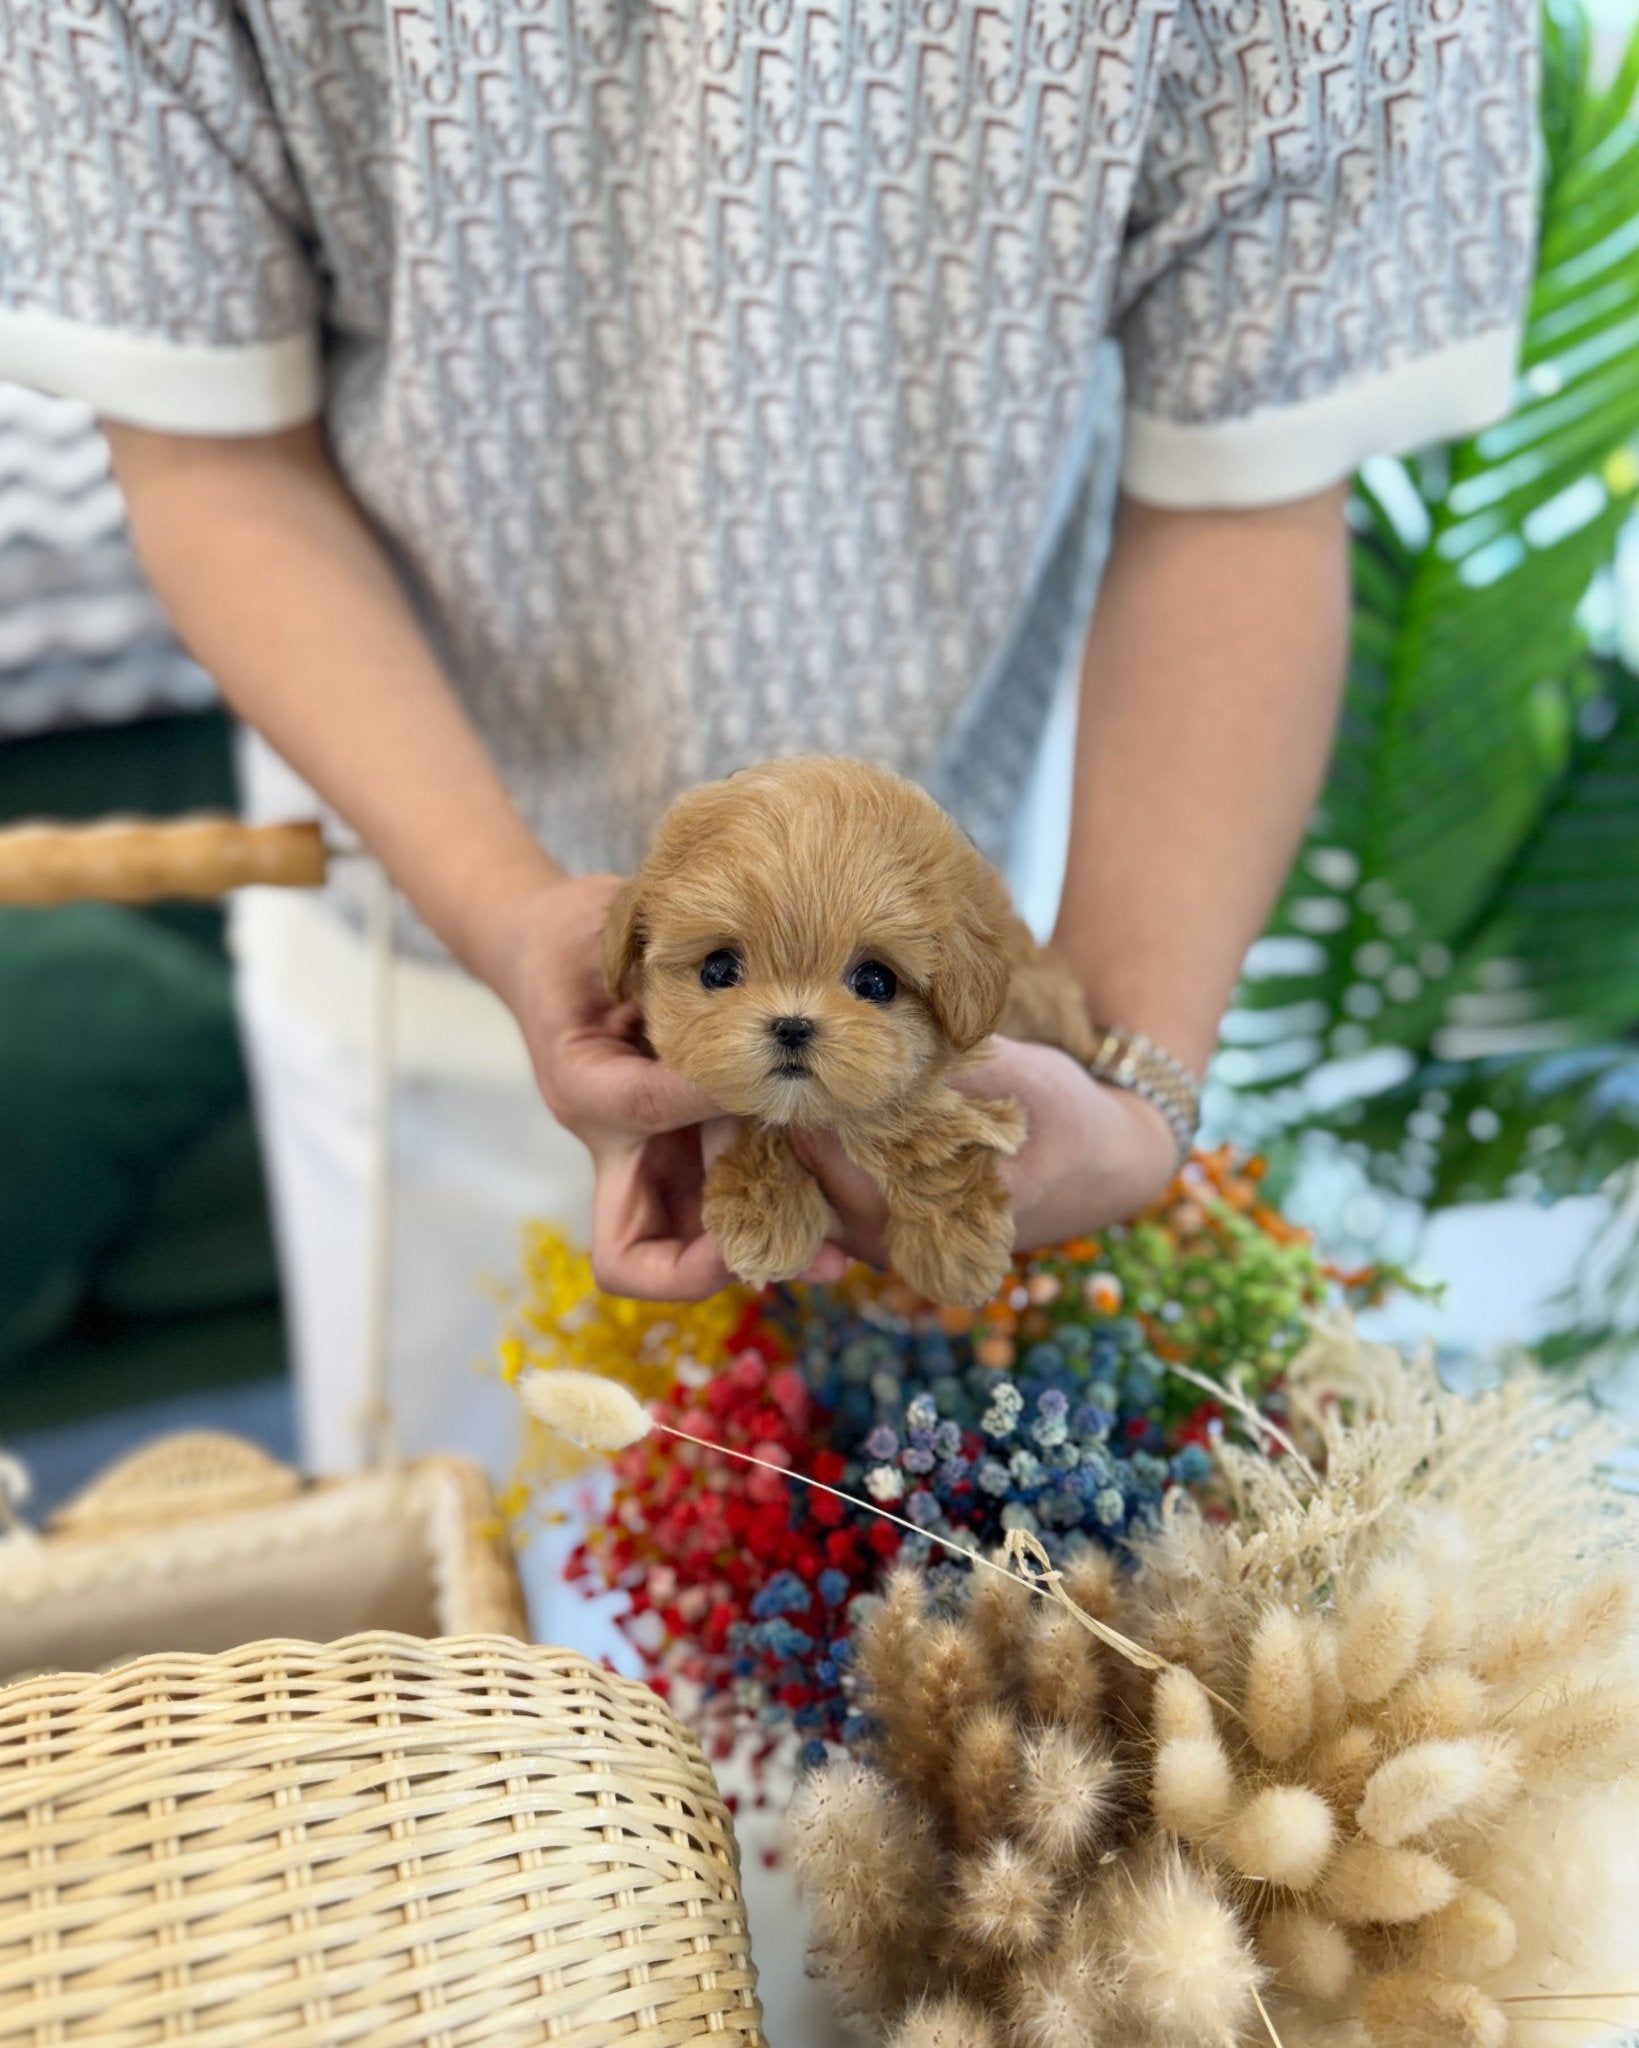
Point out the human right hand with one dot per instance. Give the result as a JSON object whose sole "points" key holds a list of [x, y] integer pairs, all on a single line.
{"points": [[648, 1130], [641, 1123]]}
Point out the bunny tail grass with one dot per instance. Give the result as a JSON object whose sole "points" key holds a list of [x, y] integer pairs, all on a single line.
{"points": [[592, 1412]]}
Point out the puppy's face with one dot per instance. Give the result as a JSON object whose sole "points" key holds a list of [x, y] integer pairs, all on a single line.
{"points": [[809, 939]]}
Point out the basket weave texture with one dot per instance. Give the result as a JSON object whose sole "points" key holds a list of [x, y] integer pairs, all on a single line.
{"points": [[198, 1543], [378, 1840], [179, 1478]]}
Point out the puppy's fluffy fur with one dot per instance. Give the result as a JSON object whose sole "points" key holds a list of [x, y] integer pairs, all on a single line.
{"points": [[800, 872]]}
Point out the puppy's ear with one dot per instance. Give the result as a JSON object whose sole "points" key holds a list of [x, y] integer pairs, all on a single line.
{"points": [[623, 941], [969, 990]]}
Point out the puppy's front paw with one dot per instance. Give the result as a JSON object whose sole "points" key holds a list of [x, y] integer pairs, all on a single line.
{"points": [[764, 1209], [765, 1236], [953, 1242], [962, 1266]]}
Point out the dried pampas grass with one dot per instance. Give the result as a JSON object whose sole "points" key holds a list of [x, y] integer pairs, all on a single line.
{"points": [[1378, 1794]]}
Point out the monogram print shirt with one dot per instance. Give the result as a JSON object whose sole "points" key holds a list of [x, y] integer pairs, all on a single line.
{"points": [[730, 377]]}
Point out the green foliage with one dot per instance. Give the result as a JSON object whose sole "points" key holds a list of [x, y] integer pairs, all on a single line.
{"points": [[1464, 919], [1216, 1289]]}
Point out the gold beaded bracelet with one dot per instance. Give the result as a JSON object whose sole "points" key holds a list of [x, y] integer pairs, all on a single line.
{"points": [[1127, 1059]]}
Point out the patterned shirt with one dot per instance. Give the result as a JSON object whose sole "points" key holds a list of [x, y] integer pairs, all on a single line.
{"points": [[726, 376]]}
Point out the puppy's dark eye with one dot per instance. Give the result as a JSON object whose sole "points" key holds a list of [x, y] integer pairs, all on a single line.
{"points": [[874, 983], [722, 969]]}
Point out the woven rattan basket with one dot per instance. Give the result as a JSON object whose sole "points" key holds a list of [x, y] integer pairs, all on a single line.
{"points": [[378, 1840], [422, 1831], [229, 1837], [201, 1542]]}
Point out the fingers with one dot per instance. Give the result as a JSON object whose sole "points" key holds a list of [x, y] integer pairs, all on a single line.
{"points": [[846, 1186], [717, 1136], [856, 1201], [663, 1269], [830, 1265], [626, 1091], [647, 1238]]}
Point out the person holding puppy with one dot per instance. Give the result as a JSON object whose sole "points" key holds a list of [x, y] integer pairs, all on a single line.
{"points": [[527, 411]]}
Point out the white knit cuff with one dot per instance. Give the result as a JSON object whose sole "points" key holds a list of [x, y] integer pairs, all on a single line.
{"points": [[178, 387], [1291, 451]]}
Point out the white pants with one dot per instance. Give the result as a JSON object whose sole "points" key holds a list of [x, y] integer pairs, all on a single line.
{"points": [[475, 1154]]}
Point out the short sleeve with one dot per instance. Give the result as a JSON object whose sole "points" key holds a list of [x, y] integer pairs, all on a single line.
{"points": [[152, 235], [1331, 241]]}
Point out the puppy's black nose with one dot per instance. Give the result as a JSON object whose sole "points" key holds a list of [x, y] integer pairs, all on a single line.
{"points": [[792, 1031]]}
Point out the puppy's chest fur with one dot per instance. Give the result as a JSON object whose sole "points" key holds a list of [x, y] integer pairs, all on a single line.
{"points": [[932, 1150]]}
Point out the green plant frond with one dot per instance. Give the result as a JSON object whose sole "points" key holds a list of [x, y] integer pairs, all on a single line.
{"points": [[1563, 114], [1602, 115], [1545, 1125], [1563, 931], [1457, 790], [1552, 961]]}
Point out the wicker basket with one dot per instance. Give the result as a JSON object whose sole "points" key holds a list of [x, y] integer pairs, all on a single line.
{"points": [[379, 1840], [201, 1542]]}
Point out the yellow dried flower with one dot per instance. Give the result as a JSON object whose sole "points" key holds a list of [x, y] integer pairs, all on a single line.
{"points": [[559, 1318]]}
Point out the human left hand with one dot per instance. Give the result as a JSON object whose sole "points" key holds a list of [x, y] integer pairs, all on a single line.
{"points": [[1094, 1155]]}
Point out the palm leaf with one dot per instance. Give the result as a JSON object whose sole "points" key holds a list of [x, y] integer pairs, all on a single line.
{"points": [[1536, 1125], [1560, 942], [1555, 958], [1464, 824]]}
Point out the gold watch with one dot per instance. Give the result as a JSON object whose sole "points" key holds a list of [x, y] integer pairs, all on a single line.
{"points": [[1127, 1059]]}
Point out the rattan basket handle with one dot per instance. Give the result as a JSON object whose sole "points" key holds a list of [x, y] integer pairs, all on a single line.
{"points": [[132, 862]]}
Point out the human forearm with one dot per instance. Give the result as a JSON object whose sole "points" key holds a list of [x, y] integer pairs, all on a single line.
{"points": [[276, 583], [1208, 701]]}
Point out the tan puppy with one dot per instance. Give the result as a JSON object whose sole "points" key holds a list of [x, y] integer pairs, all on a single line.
{"points": [[815, 942]]}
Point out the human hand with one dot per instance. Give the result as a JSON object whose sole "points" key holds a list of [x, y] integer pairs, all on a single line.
{"points": [[543, 954], [645, 1127], [1094, 1155]]}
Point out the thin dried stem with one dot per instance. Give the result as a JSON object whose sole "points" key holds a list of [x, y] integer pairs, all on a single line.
{"points": [[1046, 1582], [1560, 1997], [1021, 1546], [1258, 1424], [1263, 2014]]}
